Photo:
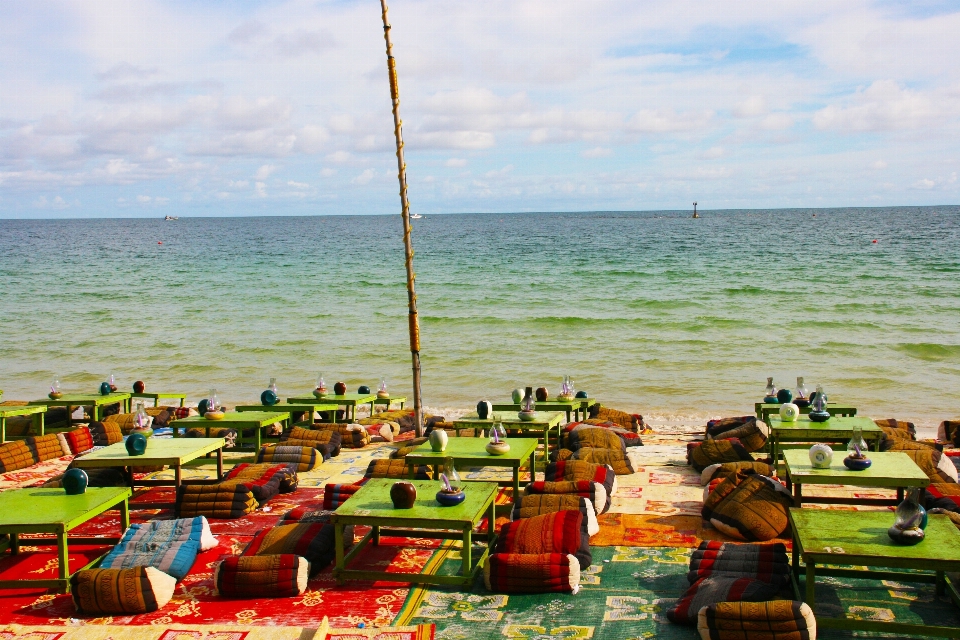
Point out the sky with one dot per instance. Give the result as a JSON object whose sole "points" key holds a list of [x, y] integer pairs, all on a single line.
{"points": [[131, 108]]}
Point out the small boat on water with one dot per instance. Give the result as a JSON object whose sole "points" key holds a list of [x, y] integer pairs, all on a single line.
{"points": [[169, 218], [415, 216]]}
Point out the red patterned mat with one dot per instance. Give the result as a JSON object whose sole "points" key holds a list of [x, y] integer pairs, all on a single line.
{"points": [[375, 604]]}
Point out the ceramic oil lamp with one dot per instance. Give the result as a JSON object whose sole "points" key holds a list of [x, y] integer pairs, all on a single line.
{"points": [[566, 390], [818, 406], [771, 392], [528, 408], [55, 392], [451, 489], [801, 396], [113, 384], [911, 519], [382, 391], [498, 444]]}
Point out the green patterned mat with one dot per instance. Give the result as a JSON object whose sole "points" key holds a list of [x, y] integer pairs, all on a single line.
{"points": [[624, 594]]}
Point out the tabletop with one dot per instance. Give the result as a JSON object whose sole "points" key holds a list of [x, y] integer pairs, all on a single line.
{"points": [[21, 410], [345, 399], [79, 399], [889, 469], [36, 506], [474, 449], [372, 501], [260, 418], [291, 407], [543, 419], [805, 424], [159, 451], [860, 538]]}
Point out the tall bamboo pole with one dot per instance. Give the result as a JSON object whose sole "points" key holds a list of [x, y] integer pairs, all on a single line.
{"points": [[405, 214]]}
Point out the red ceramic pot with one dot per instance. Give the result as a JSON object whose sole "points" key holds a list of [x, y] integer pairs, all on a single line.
{"points": [[542, 394], [138, 386], [339, 388], [403, 495]]}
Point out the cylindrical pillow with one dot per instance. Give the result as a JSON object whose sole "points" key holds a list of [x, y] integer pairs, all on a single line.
{"points": [[270, 576], [532, 573], [772, 619], [595, 492], [561, 532], [539, 504], [121, 591]]}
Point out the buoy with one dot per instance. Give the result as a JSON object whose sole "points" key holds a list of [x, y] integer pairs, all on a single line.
{"points": [[874, 242], [159, 243]]}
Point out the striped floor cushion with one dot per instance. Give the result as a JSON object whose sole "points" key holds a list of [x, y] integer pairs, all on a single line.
{"points": [[16, 455], [77, 440], [407, 447], [167, 531], [352, 436], [105, 433], [748, 507], [765, 562], [270, 576], [718, 426], [595, 492], [311, 540], [710, 591], [335, 495], [326, 441], [98, 592], [772, 620], [265, 480], [173, 558], [225, 500], [532, 573], [391, 468], [583, 470], [615, 459], [539, 504], [560, 532], [752, 435], [723, 470], [701, 455], [592, 437], [305, 458]]}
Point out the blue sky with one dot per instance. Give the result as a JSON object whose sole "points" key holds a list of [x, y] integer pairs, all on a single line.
{"points": [[127, 108]]}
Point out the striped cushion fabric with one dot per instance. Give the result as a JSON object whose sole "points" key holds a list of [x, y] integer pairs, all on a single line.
{"points": [[305, 458], [335, 495], [539, 504], [584, 470], [765, 562], [270, 576], [105, 433], [167, 531], [76, 441], [718, 426], [560, 532], [326, 441], [407, 447], [749, 507], [532, 573], [265, 480], [595, 492], [16, 455], [47, 447], [723, 470], [229, 499], [311, 540], [710, 591], [121, 591], [752, 435], [593, 437], [701, 455], [390, 468], [173, 558], [772, 620], [353, 436]]}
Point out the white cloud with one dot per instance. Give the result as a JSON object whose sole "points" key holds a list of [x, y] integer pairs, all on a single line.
{"points": [[327, 172], [365, 177], [752, 106], [455, 162], [265, 171], [596, 152], [298, 185], [261, 189], [144, 199], [713, 152], [879, 164], [883, 106]]}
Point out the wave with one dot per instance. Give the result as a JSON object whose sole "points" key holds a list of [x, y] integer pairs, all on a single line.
{"points": [[929, 351]]}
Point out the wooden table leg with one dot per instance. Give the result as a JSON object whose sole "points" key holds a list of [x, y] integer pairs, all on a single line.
{"points": [[798, 495], [810, 582], [176, 477], [516, 482], [467, 554], [533, 466], [124, 517], [338, 548], [63, 559], [3, 430], [43, 422], [219, 463]]}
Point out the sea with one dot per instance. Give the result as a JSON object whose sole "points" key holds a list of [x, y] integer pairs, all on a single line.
{"points": [[653, 312]]}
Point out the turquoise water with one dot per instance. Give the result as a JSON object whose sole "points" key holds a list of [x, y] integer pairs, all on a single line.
{"points": [[653, 312]]}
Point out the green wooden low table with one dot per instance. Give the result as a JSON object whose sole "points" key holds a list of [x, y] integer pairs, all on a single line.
{"points": [[53, 511], [891, 470], [574, 406], [472, 452], [371, 506], [302, 411], [95, 401], [34, 411], [157, 397], [169, 452], [255, 420], [764, 409], [401, 400], [859, 539], [546, 421], [806, 431], [348, 400]]}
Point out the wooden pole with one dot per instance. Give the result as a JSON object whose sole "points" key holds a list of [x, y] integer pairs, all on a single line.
{"points": [[405, 214]]}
